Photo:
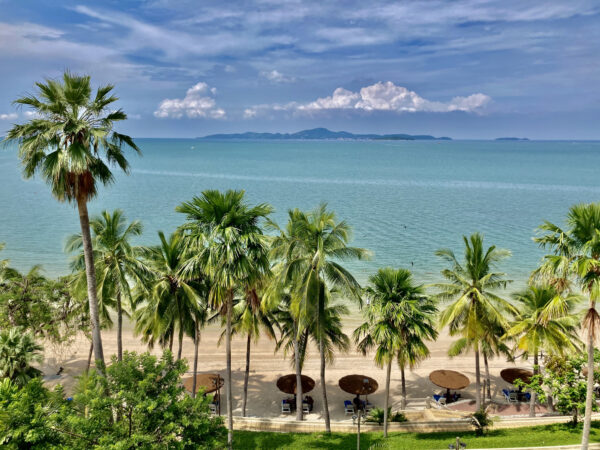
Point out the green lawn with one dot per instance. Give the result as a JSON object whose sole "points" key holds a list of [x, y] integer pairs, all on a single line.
{"points": [[557, 434]]}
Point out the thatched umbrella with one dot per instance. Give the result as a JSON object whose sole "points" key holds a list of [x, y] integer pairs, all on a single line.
{"points": [[513, 374], [449, 379], [210, 382], [287, 384], [358, 384]]}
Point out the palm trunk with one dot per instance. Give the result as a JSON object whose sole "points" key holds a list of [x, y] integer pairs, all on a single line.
{"points": [[228, 359], [196, 345], [487, 377], [89, 361], [171, 337], [386, 400], [246, 375], [180, 341], [90, 273], [324, 388], [533, 394], [299, 412], [403, 377], [477, 380], [119, 328], [589, 395]]}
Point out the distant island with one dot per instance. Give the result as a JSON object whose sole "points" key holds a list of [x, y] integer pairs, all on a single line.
{"points": [[511, 139], [324, 133]]}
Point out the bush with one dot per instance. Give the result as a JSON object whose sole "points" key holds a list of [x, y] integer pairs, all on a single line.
{"points": [[376, 416], [482, 421]]}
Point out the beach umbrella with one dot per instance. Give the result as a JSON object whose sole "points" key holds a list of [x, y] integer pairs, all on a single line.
{"points": [[449, 379], [211, 382], [513, 374], [358, 384], [287, 384]]}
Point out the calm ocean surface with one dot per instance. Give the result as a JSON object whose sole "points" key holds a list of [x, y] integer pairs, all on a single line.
{"points": [[404, 199]]}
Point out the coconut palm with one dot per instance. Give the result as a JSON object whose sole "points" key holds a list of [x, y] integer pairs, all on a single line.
{"points": [[168, 299], [116, 260], [398, 322], [3, 265], [474, 304], [71, 142], [250, 319], [18, 350], [545, 322], [225, 241], [310, 249], [576, 255]]}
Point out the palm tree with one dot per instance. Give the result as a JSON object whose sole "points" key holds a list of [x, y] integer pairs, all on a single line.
{"points": [[170, 301], [3, 265], [398, 321], [576, 254], [72, 144], [115, 258], [310, 248], [545, 322], [250, 319], [475, 307], [225, 241], [18, 350]]}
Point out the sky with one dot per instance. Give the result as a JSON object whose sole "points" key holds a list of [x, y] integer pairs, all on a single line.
{"points": [[471, 69]]}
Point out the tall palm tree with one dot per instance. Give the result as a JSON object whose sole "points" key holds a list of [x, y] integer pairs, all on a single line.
{"points": [[545, 322], [71, 142], [250, 319], [310, 249], [398, 322], [225, 241], [116, 260], [576, 255], [169, 299], [471, 288], [18, 350], [3, 265]]}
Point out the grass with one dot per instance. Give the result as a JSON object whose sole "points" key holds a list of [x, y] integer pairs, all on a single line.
{"points": [[544, 435]]}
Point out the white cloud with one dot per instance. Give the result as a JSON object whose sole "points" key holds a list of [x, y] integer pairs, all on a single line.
{"points": [[382, 96], [276, 76], [8, 116], [197, 103]]}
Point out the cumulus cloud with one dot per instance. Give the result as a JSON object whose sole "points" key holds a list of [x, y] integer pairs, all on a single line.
{"points": [[381, 96], [8, 116], [198, 102], [277, 77]]}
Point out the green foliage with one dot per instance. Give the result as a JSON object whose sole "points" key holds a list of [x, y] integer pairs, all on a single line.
{"points": [[18, 350], [482, 421], [140, 403], [376, 415]]}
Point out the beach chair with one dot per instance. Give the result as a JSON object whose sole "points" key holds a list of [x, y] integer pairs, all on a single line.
{"points": [[368, 407], [213, 408], [305, 407], [348, 407], [285, 407], [439, 399]]}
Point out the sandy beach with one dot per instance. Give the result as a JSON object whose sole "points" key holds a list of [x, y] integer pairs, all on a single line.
{"points": [[266, 367]]}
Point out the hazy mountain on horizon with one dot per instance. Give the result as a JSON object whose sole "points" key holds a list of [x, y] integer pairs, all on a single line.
{"points": [[324, 133]]}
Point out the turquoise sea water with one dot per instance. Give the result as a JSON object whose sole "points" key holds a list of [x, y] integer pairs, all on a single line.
{"points": [[404, 199]]}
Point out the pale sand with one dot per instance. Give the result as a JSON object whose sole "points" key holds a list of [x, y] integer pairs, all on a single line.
{"points": [[266, 366]]}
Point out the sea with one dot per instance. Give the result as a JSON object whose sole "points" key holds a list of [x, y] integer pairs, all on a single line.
{"points": [[403, 199]]}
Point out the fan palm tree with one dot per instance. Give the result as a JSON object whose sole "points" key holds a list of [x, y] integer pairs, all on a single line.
{"points": [[398, 322], [18, 350], [171, 299], [545, 322], [310, 249], [576, 255], [225, 241], [471, 289], [115, 258], [71, 142]]}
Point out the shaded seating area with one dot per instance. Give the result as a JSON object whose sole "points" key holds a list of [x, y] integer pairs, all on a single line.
{"points": [[287, 384], [358, 385], [511, 375], [209, 383], [450, 380]]}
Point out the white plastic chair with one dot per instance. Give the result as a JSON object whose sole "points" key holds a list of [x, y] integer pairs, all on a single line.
{"points": [[285, 407], [348, 407]]}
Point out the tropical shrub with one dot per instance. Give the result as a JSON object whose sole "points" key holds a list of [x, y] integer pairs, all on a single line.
{"points": [[376, 415], [18, 350], [482, 421]]}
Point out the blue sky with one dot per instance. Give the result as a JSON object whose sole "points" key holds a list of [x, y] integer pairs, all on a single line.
{"points": [[465, 68]]}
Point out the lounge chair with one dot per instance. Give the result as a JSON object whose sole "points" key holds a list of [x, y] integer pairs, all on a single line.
{"points": [[213, 408], [348, 407], [439, 399], [510, 396], [305, 407], [285, 407], [368, 407]]}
